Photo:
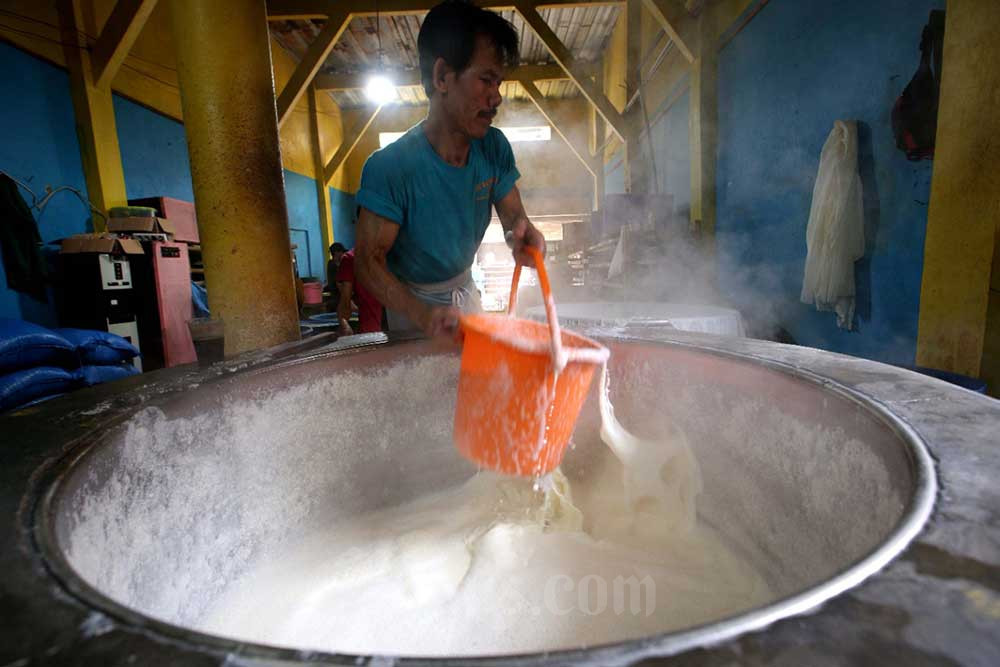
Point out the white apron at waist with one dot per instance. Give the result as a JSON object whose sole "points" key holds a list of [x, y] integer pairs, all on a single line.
{"points": [[460, 291]]}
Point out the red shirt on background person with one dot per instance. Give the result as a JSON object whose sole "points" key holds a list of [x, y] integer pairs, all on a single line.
{"points": [[369, 309]]}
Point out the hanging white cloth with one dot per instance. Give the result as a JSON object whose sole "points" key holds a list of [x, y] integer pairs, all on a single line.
{"points": [[835, 236]]}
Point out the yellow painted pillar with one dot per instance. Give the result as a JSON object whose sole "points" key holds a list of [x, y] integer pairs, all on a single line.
{"points": [[594, 141], [990, 368], [230, 118], [703, 128], [95, 117], [965, 197], [319, 165], [633, 117]]}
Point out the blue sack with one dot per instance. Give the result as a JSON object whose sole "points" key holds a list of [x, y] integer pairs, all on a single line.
{"points": [[99, 347], [199, 300], [23, 345], [23, 386], [91, 375]]}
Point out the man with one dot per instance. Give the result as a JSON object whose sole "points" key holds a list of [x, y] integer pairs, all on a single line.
{"points": [[369, 309], [337, 251], [426, 198]]}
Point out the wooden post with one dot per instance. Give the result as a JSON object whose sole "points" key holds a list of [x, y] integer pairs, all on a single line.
{"points": [[95, 117], [319, 166], [958, 305], [703, 122], [633, 60]]}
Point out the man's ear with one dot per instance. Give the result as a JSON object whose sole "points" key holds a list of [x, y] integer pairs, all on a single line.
{"points": [[441, 72]]}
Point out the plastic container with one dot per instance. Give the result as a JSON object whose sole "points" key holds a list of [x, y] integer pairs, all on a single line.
{"points": [[515, 413], [507, 418], [312, 293]]}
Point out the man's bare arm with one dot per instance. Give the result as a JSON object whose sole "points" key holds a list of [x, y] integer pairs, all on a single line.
{"points": [[374, 238], [510, 210]]}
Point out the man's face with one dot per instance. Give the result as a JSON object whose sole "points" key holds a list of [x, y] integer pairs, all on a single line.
{"points": [[337, 254], [473, 96]]}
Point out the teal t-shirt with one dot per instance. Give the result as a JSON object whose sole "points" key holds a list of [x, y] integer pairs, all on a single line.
{"points": [[442, 210]]}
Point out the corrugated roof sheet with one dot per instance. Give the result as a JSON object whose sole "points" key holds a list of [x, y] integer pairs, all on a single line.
{"points": [[584, 30], [414, 95]]}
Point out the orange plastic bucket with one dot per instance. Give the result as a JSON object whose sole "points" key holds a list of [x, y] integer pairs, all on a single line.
{"points": [[514, 414]]}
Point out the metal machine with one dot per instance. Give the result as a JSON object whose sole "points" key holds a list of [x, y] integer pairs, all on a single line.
{"points": [[99, 293]]}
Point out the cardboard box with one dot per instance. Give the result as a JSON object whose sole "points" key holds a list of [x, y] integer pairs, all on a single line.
{"points": [[100, 243], [181, 215], [148, 225]]}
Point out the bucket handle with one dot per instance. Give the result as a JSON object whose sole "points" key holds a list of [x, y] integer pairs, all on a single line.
{"points": [[550, 306]]}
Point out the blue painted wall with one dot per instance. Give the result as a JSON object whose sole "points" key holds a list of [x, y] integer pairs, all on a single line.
{"points": [[40, 148], [668, 136], [343, 206], [673, 150], [154, 153], [303, 220], [795, 69], [155, 160], [614, 173]]}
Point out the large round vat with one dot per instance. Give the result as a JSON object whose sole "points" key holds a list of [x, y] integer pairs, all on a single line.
{"points": [[634, 315], [152, 518]]}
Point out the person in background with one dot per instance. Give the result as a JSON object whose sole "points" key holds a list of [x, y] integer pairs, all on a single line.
{"points": [[369, 309], [337, 251], [427, 197]]}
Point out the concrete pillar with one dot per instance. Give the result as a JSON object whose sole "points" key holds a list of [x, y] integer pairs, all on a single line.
{"points": [[227, 95]]}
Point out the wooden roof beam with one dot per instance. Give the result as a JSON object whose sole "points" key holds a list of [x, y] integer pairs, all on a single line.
{"points": [[561, 54], [670, 14], [313, 59], [411, 77], [286, 10], [117, 37], [545, 107], [348, 145]]}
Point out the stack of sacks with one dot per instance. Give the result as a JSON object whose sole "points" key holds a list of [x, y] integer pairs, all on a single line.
{"points": [[103, 356], [37, 364]]}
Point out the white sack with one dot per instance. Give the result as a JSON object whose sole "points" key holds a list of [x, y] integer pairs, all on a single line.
{"points": [[835, 236]]}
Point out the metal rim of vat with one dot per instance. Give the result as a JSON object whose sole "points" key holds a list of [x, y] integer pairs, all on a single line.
{"points": [[915, 515]]}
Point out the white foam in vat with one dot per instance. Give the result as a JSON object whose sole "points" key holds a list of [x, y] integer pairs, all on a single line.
{"points": [[502, 565], [206, 511], [486, 568], [190, 502]]}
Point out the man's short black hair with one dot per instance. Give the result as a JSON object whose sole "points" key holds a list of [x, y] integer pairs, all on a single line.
{"points": [[337, 247], [449, 31]]}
